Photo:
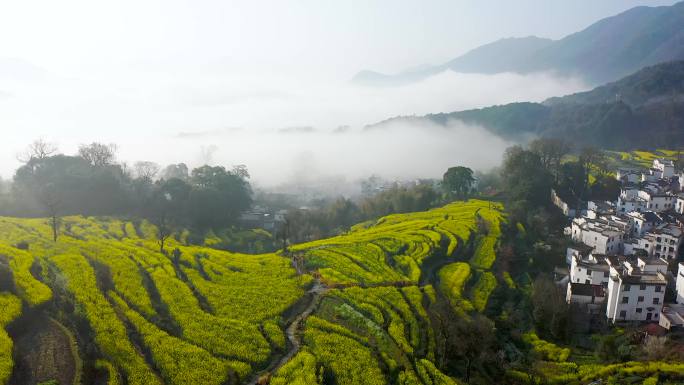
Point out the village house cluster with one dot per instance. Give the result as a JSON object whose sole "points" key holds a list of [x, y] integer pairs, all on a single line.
{"points": [[623, 249]]}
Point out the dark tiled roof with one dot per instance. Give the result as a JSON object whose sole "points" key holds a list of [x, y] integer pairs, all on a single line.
{"points": [[587, 290], [650, 216]]}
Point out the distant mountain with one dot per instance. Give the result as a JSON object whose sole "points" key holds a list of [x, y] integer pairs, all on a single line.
{"points": [[605, 51], [484, 59], [647, 112], [487, 58]]}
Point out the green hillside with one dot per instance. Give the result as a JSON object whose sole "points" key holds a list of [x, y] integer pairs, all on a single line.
{"points": [[353, 309]]}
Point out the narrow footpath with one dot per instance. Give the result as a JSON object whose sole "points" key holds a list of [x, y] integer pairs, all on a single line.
{"points": [[293, 333]]}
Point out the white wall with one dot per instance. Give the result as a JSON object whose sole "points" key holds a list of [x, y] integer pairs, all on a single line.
{"points": [[680, 284], [631, 307], [580, 274]]}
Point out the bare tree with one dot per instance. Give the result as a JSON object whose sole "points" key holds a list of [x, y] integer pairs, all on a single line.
{"points": [[159, 212], [164, 230], [38, 150], [241, 171], [98, 154], [52, 203], [146, 170]]}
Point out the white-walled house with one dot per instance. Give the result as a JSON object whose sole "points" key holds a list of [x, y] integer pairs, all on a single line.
{"points": [[652, 265], [590, 270], [672, 317], [663, 241], [628, 176], [659, 201], [665, 166], [629, 199], [579, 250], [605, 236], [597, 209], [635, 294], [680, 284], [644, 244], [668, 238], [660, 169], [679, 206], [651, 197], [642, 222]]}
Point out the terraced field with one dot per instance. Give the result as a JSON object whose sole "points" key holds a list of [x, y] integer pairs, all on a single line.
{"points": [[352, 309], [639, 159], [198, 315]]}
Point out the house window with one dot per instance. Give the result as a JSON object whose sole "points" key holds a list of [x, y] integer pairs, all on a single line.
{"points": [[640, 299], [623, 313], [649, 316], [587, 281], [627, 287], [658, 288], [625, 299], [642, 287], [605, 274], [639, 310], [656, 301]]}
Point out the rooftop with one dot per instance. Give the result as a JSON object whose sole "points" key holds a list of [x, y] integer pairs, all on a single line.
{"points": [[668, 229], [642, 278], [587, 290], [594, 262], [653, 261], [674, 313]]}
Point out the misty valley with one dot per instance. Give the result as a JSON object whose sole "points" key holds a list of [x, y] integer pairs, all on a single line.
{"points": [[222, 193]]}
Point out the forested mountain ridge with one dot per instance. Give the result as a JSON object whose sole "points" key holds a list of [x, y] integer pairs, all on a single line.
{"points": [[605, 51], [644, 110], [652, 84]]}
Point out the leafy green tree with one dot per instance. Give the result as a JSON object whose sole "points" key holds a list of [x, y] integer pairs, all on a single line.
{"points": [[458, 182], [217, 197], [549, 309], [551, 152], [526, 181]]}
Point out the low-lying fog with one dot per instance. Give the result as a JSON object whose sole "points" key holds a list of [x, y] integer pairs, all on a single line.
{"points": [[279, 127]]}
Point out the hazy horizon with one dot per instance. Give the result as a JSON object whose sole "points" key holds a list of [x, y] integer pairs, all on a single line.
{"points": [[164, 79]]}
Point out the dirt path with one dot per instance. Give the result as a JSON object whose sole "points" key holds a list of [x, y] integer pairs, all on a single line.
{"points": [[44, 351], [293, 333]]}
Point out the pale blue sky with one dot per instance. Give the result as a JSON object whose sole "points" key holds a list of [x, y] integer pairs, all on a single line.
{"points": [[329, 37]]}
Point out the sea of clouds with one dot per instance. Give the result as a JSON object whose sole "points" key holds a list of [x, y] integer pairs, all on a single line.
{"points": [[281, 127]]}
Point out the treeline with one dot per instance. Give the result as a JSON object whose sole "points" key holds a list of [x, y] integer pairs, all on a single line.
{"points": [[529, 173], [91, 182], [336, 216]]}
